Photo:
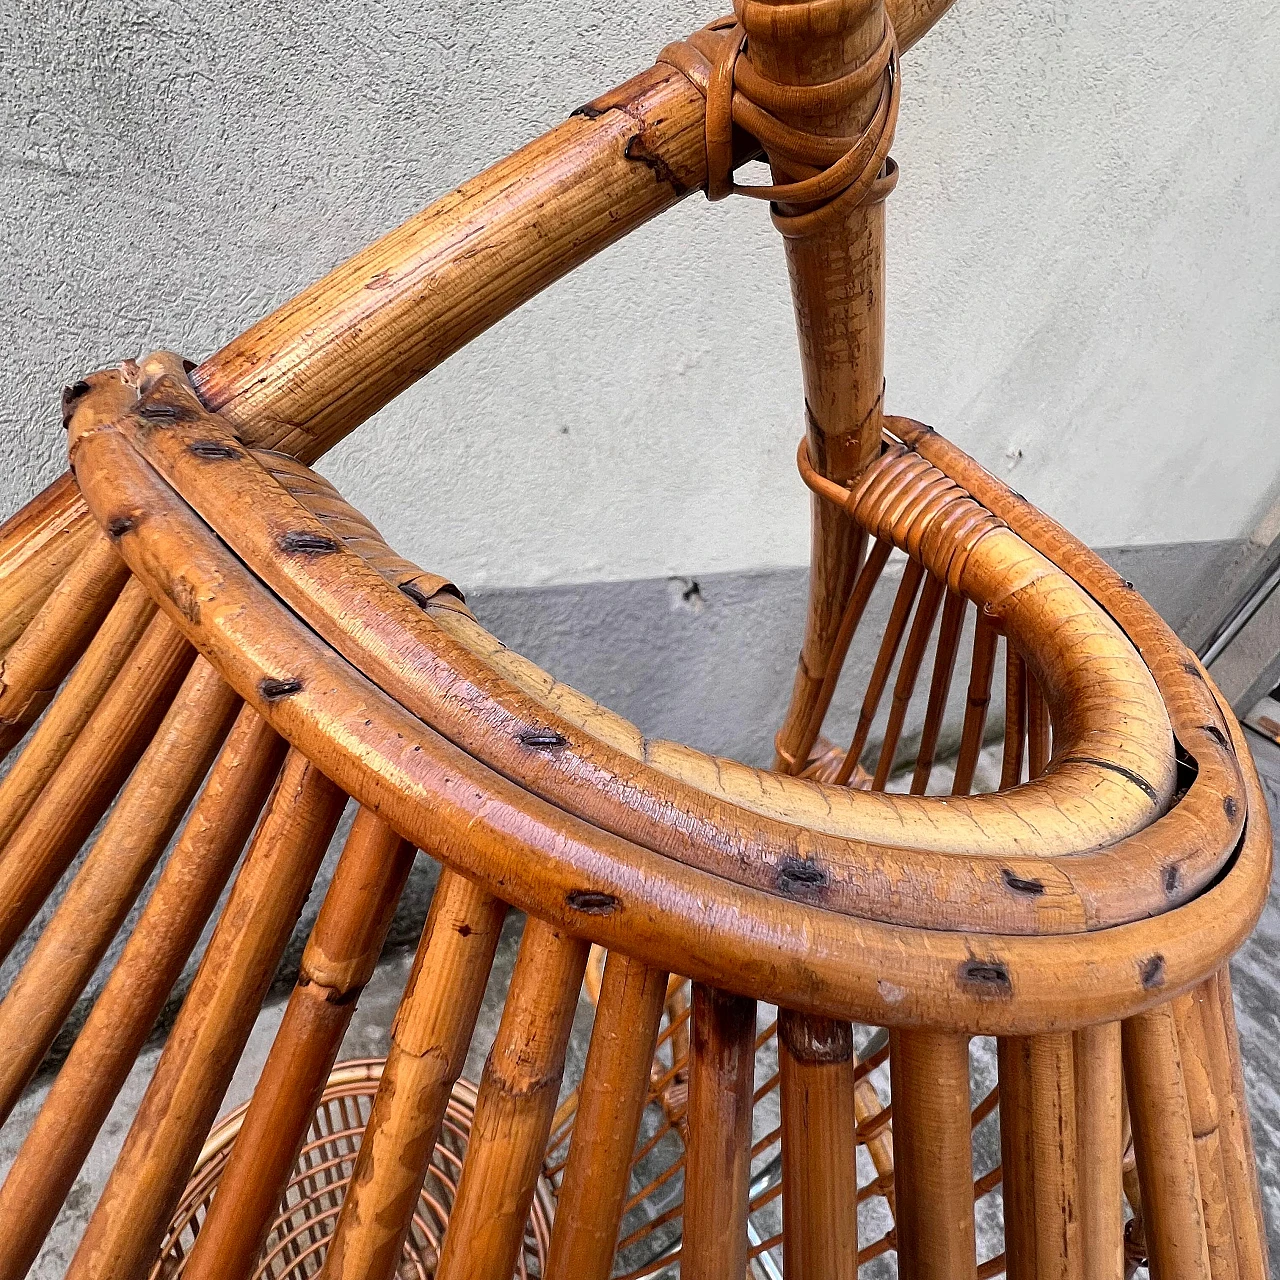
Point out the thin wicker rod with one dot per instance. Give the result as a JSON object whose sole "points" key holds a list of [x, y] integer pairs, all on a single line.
{"points": [[126, 1228], [516, 1101], [1100, 1135], [816, 1061], [829, 628], [1164, 1143], [866, 1106], [615, 1088], [1038, 1148], [944, 665], [1038, 731], [38, 546], [185, 895], [908, 673], [115, 871], [90, 774], [1202, 1105], [339, 960], [56, 637], [912, 575], [74, 704], [429, 1041], [718, 1152], [1015, 718], [932, 1155], [1237, 1149], [978, 699], [868, 576]]}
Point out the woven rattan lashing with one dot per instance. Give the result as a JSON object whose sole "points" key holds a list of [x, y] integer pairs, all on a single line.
{"points": [[200, 621]]}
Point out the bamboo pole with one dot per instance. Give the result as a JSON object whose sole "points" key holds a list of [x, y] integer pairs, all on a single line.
{"points": [[429, 1040], [1039, 1152], [73, 942], [977, 700], [1100, 1151], [122, 1017], [338, 961], [124, 1233], [89, 776], [75, 703], [611, 1099], [818, 1086], [56, 637], [717, 1173], [1015, 718], [516, 1102], [1164, 1143], [944, 665], [932, 1156]]}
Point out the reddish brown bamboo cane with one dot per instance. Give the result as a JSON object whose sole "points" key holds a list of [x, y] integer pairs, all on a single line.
{"points": [[1099, 1089], [122, 1017], [124, 1233]]}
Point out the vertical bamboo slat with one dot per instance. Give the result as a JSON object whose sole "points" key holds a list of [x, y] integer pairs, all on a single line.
{"points": [[717, 1175], [1037, 729], [55, 638], [932, 1156], [338, 961], [977, 700], [90, 774], [136, 833], [1039, 1151], [123, 1015], [1015, 718], [429, 1040], [124, 1233], [1100, 1139], [612, 1096], [818, 1083], [517, 1099], [74, 704], [944, 665], [1164, 1144]]}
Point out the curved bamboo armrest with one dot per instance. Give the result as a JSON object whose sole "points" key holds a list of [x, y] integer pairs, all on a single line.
{"points": [[784, 943]]}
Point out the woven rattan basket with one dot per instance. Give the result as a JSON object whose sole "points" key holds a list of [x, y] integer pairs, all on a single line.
{"points": [[300, 1234]]}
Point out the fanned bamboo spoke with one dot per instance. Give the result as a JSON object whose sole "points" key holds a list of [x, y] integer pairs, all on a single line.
{"points": [[977, 700], [932, 1156], [514, 1108], [209, 1035], [912, 576], [718, 1160], [98, 899], [1038, 730], [56, 637], [123, 1015], [944, 665], [1015, 718], [615, 1087], [908, 673], [339, 959], [819, 1148], [75, 702], [429, 1040]]}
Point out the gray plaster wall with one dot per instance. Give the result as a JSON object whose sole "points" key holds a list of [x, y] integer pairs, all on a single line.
{"points": [[1082, 265]]}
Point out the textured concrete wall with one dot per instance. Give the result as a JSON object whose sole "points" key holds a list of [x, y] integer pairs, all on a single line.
{"points": [[1082, 265]]}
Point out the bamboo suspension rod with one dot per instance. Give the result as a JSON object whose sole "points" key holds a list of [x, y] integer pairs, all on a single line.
{"points": [[124, 1233], [122, 1017], [429, 1040], [73, 942], [612, 1097], [818, 1087], [1100, 1137], [89, 776], [339, 960], [717, 1174]]}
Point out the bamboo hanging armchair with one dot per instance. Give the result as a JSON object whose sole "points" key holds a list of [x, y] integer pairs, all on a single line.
{"points": [[196, 616]]}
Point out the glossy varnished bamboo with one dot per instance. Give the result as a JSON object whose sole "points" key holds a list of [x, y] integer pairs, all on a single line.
{"points": [[611, 1098], [338, 961], [932, 1156], [202, 1050], [1099, 1090], [818, 1083], [123, 1016], [717, 1174], [429, 1039]]}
